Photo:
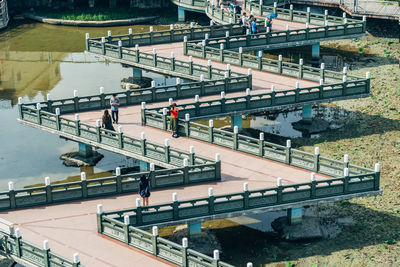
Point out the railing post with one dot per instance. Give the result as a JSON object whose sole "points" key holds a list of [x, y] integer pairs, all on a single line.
{"points": [[120, 138], [367, 77], [49, 196], [227, 40], [153, 182], [75, 260], [217, 167], [260, 60], [326, 15], [221, 52], [185, 171], [308, 15], [297, 96], [288, 158], [187, 124], [246, 195], [364, 27], [38, 114], [18, 243], [211, 131], [175, 206], [344, 78], [171, 32], [130, 37], [346, 180], [226, 80], [126, 229], [235, 138], [165, 119], [287, 33], [154, 57], [313, 192], [137, 54], [345, 161], [103, 45], [77, 125], [99, 215], [120, 49], [143, 143], [49, 103], [128, 94], [209, 69], [102, 98], [268, 35], [377, 175], [98, 131], [249, 78], [261, 145], [300, 68], [11, 195], [248, 98], [184, 252], [20, 102], [172, 61], [203, 49], [167, 148], [191, 30], [185, 49], [321, 89], [326, 28], [154, 242], [280, 64], [197, 104], [279, 190], [316, 159], [191, 156], [307, 30], [178, 87], [46, 256], [222, 102], [58, 123], [260, 8], [211, 199], [87, 37], [191, 65], [76, 101], [322, 72], [118, 180], [291, 13], [240, 56], [151, 34], [273, 95], [139, 218], [202, 89], [84, 185], [143, 113], [216, 258], [275, 7]]}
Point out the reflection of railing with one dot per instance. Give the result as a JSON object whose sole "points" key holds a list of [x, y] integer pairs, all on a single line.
{"points": [[253, 146], [4, 18], [265, 64], [12, 244]]}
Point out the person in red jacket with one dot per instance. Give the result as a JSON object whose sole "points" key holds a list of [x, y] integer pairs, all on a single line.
{"points": [[174, 120]]}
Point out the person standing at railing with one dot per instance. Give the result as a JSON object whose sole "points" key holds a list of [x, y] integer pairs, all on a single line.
{"points": [[114, 103], [249, 22], [144, 189], [268, 23], [174, 113], [245, 23], [254, 26], [106, 121]]}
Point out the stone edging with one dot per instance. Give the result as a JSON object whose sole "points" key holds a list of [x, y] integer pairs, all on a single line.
{"points": [[90, 23]]}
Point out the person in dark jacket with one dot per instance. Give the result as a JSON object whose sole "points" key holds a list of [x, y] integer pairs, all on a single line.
{"points": [[144, 189], [106, 121]]}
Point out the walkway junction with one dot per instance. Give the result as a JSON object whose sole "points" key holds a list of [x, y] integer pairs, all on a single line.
{"points": [[216, 173]]}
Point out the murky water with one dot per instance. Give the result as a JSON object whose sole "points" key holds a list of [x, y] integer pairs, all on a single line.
{"points": [[37, 59]]}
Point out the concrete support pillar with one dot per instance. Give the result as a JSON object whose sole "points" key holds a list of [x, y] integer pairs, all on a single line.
{"points": [[194, 228], [307, 113], [113, 3], [85, 150], [236, 120], [144, 166], [137, 73], [181, 14], [315, 50], [295, 215]]}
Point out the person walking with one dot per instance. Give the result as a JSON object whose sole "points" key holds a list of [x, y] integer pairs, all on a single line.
{"points": [[268, 23], [249, 21], [174, 113], [106, 121], [144, 188], [114, 103]]}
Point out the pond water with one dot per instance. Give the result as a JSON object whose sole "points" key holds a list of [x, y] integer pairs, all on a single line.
{"points": [[37, 59]]}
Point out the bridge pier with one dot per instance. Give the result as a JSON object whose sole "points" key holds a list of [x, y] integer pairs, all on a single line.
{"points": [[315, 51], [181, 14], [144, 166], [137, 73], [295, 215], [236, 120], [194, 228], [306, 114], [85, 150]]}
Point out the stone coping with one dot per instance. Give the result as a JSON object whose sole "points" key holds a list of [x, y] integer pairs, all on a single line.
{"points": [[91, 23]]}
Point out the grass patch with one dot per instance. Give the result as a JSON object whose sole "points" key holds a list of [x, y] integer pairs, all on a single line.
{"points": [[100, 14]]}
